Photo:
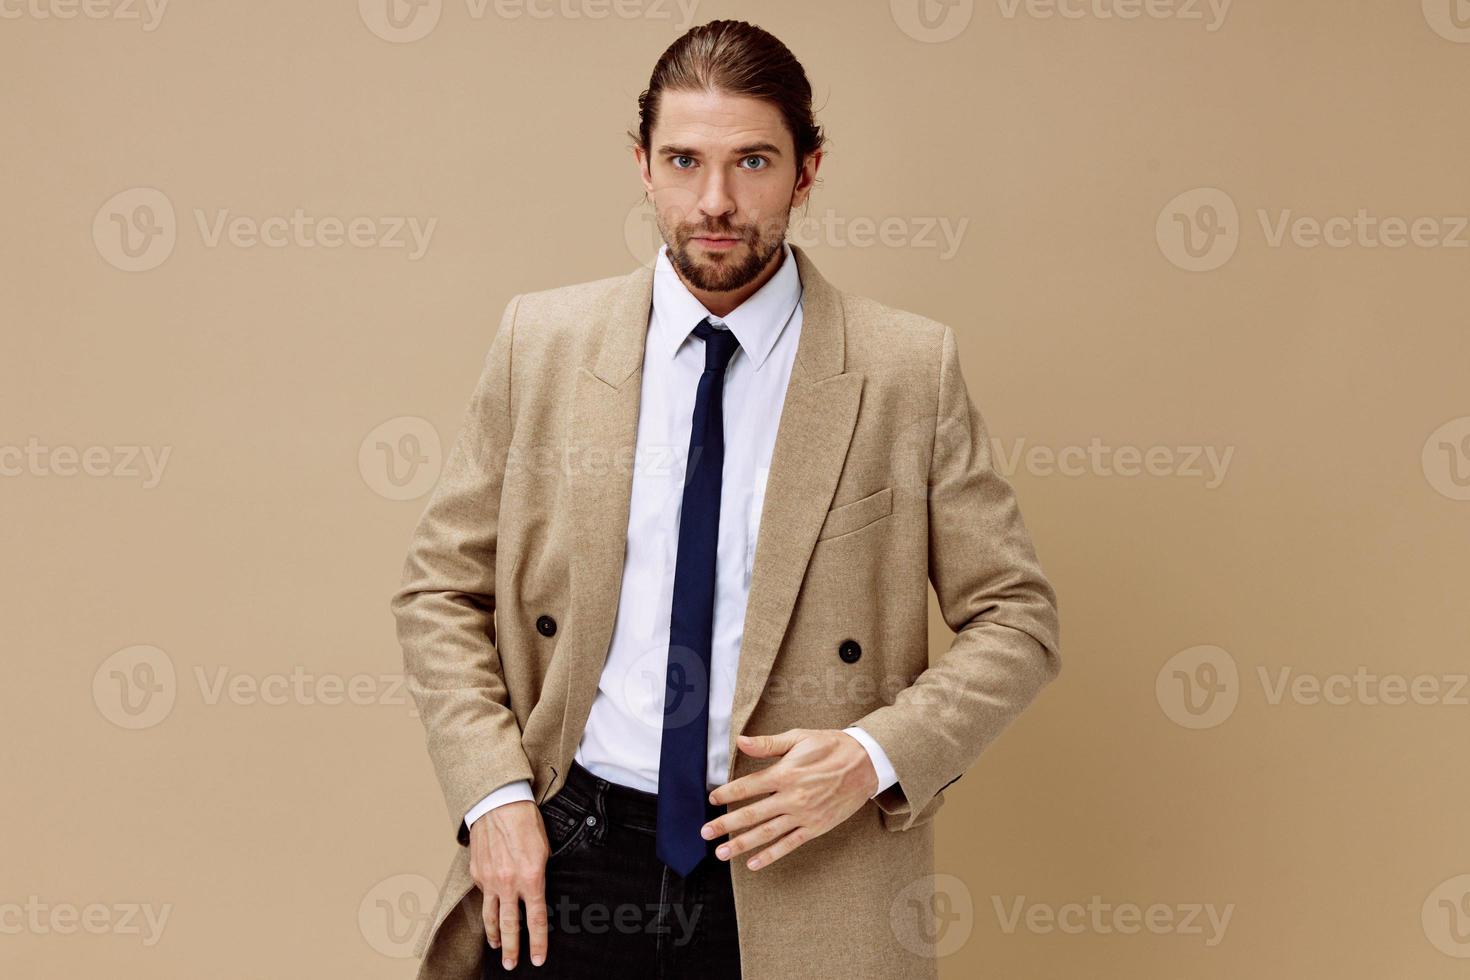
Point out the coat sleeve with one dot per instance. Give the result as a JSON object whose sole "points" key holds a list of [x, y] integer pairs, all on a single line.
{"points": [[445, 604], [992, 593]]}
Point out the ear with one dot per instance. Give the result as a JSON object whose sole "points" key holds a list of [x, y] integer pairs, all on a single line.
{"points": [[806, 179], [644, 173]]}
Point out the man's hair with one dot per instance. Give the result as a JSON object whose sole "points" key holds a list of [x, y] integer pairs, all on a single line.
{"points": [[737, 58]]}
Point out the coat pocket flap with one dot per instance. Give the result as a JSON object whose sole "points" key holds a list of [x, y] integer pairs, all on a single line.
{"points": [[857, 514]]}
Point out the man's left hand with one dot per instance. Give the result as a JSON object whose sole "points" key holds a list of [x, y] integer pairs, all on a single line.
{"points": [[823, 777]]}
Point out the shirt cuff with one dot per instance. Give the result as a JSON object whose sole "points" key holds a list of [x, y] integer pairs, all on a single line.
{"points": [[509, 793], [886, 776]]}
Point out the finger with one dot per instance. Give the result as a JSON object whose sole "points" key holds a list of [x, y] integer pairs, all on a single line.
{"points": [[510, 929], [737, 820], [756, 784], [780, 849], [765, 746], [756, 836], [491, 914], [535, 898]]}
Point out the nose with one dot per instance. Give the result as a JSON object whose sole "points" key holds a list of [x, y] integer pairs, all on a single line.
{"points": [[714, 197]]}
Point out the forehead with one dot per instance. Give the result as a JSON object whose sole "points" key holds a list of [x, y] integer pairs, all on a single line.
{"points": [[717, 120]]}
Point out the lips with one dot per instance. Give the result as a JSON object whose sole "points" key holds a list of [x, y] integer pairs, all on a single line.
{"points": [[712, 244]]}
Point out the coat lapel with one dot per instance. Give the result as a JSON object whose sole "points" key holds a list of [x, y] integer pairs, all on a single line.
{"points": [[600, 447], [816, 427]]}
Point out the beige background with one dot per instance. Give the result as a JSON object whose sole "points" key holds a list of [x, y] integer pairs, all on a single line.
{"points": [[201, 708]]}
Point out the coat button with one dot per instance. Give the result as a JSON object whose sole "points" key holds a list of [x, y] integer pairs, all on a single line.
{"points": [[545, 625], [849, 651]]}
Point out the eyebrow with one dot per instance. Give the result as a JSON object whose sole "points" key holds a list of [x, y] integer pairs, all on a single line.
{"points": [[740, 151]]}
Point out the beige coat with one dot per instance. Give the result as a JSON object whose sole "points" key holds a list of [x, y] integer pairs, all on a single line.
{"points": [[881, 481]]}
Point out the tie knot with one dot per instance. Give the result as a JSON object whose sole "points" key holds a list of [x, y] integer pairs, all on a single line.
{"points": [[719, 345]]}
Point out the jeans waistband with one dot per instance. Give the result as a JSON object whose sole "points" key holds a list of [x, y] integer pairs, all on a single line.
{"points": [[620, 804]]}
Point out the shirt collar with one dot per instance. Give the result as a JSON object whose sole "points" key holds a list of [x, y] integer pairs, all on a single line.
{"points": [[757, 322]]}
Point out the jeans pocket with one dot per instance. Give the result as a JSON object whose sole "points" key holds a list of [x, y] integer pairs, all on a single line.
{"points": [[566, 824]]}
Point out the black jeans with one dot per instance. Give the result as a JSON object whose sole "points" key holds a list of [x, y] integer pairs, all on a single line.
{"points": [[615, 910]]}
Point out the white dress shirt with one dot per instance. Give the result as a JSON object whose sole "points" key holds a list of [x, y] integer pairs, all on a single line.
{"points": [[624, 729]]}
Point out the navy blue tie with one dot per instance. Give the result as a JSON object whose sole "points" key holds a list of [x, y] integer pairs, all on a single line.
{"points": [[683, 805]]}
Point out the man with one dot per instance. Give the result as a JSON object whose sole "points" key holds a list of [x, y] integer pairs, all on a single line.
{"points": [[665, 615]]}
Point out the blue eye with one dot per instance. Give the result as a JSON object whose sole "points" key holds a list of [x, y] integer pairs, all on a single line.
{"points": [[677, 159], [762, 160]]}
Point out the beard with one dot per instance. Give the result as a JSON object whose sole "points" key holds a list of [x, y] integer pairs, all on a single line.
{"points": [[725, 271]]}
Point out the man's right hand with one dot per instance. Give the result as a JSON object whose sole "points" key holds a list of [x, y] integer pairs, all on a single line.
{"points": [[508, 851]]}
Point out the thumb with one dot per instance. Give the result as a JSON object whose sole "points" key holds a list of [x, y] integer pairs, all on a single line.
{"points": [[765, 746]]}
